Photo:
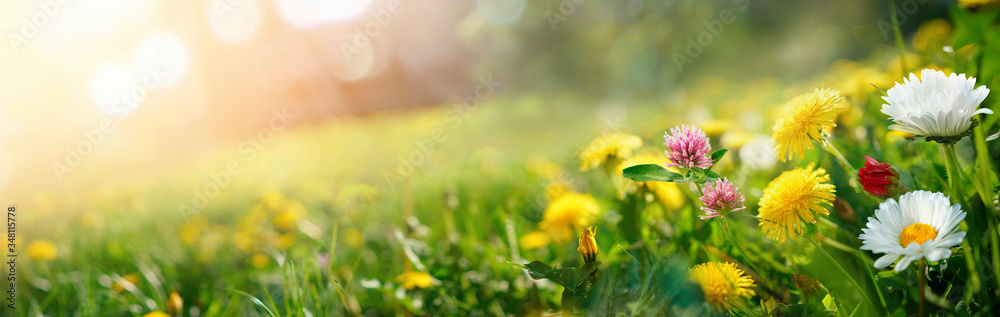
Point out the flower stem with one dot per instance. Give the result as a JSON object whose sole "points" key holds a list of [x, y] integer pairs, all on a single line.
{"points": [[729, 235], [951, 162], [922, 287], [954, 173], [829, 147], [899, 38], [974, 283], [867, 262], [631, 223], [995, 252], [842, 270]]}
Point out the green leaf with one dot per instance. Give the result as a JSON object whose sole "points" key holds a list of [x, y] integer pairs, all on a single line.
{"points": [[255, 301], [653, 172], [711, 176], [886, 274], [538, 270], [829, 303], [985, 171], [970, 26], [717, 155], [586, 271]]}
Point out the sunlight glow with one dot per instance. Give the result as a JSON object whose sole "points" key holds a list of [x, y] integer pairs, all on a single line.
{"points": [[161, 59], [311, 13], [115, 89], [233, 21]]}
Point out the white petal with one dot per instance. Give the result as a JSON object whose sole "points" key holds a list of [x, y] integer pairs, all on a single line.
{"points": [[905, 262], [937, 254], [885, 260]]}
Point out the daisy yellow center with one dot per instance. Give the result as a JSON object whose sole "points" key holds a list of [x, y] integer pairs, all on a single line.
{"points": [[918, 232]]}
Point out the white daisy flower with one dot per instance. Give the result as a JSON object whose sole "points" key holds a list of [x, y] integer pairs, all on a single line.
{"points": [[923, 225], [935, 105]]}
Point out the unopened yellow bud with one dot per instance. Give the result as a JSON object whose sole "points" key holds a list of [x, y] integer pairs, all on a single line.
{"points": [[588, 245]]}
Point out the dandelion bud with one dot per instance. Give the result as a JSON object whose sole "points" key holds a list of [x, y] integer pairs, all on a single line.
{"points": [[880, 179], [588, 245]]}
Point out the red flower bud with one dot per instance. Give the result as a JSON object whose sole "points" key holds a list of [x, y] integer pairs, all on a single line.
{"points": [[879, 179]]}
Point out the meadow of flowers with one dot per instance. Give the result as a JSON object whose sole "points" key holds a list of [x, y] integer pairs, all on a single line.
{"points": [[868, 190]]}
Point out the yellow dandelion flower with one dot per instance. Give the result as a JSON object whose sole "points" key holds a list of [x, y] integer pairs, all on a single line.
{"points": [[611, 147], [858, 84], [792, 199], [534, 240], [567, 214], [934, 32], [913, 62], [260, 260], [722, 283], [285, 241], [735, 139], [42, 251], [156, 314], [588, 244], [244, 240], [669, 194], [175, 305], [354, 238], [286, 220], [804, 120], [716, 127], [190, 232], [414, 280]]}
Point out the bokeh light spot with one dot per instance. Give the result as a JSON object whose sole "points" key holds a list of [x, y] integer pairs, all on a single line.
{"points": [[161, 60], [115, 89], [500, 12]]}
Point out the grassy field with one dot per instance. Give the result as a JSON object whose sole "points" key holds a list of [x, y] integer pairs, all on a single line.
{"points": [[440, 211]]}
